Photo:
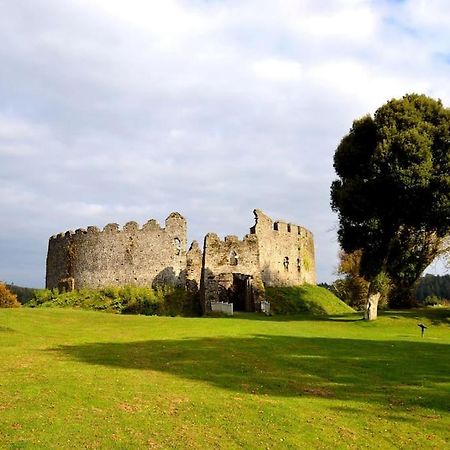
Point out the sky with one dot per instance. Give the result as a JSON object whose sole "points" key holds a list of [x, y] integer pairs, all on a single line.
{"points": [[112, 111]]}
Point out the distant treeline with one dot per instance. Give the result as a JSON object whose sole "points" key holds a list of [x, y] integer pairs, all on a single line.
{"points": [[433, 285], [24, 294], [429, 286]]}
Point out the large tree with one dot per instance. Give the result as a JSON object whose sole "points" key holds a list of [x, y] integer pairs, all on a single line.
{"points": [[392, 194]]}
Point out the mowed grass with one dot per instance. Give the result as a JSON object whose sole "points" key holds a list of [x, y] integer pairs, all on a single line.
{"points": [[306, 298], [82, 379]]}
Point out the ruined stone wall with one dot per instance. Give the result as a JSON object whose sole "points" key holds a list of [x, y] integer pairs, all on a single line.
{"points": [[222, 259], [194, 260], [96, 258], [274, 253], [286, 252]]}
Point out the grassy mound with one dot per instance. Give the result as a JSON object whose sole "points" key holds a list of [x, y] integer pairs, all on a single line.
{"points": [[303, 299]]}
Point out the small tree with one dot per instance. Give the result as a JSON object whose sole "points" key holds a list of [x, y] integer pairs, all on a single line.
{"points": [[351, 288], [7, 298], [393, 193]]}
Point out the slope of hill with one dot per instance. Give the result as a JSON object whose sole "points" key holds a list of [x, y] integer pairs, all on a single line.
{"points": [[307, 298]]}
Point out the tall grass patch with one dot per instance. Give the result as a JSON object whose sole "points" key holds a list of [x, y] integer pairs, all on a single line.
{"points": [[164, 300]]}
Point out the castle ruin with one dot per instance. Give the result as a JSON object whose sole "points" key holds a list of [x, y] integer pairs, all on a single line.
{"points": [[229, 270]]}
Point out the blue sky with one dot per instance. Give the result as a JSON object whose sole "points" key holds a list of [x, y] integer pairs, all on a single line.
{"points": [[113, 111]]}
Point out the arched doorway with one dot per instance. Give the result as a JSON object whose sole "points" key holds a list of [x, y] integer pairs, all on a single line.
{"points": [[241, 294]]}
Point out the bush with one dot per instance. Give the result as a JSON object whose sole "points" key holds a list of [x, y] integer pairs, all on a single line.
{"points": [[165, 300], [353, 289], [41, 296], [141, 300], [180, 302], [432, 300], [7, 298]]}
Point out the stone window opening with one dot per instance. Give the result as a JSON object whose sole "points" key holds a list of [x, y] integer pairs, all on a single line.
{"points": [[289, 227], [299, 265], [177, 243], [275, 226], [234, 259], [286, 263]]}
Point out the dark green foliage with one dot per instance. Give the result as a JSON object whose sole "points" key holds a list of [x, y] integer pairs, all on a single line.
{"points": [[431, 300], [24, 294], [125, 300], [180, 302], [435, 286], [137, 300], [305, 299], [393, 190]]}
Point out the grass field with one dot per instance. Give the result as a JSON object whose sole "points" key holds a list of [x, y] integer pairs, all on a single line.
{"points": [[82, 379]]}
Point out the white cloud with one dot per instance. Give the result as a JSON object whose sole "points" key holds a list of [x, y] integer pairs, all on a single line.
{"points": [[351, 22], [426, 15], [278, 70], [366, 85], [166, 19], [115, 111], [19, 129]]}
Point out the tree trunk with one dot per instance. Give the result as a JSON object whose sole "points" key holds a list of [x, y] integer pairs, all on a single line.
{"points": [[371, 310]]}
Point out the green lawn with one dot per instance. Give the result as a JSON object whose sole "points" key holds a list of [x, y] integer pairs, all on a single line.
{"points": [[83, 379]]}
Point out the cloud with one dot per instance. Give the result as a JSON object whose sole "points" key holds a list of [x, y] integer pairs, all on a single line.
{"points": [[115, 111], [278, 70], [349, 21]]}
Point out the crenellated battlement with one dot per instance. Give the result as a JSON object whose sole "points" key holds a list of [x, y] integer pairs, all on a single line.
{"points": [[286, 251], [172, 222], [230, 239], [264, 224], [114, 255]]}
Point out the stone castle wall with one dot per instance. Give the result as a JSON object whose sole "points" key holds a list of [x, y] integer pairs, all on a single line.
{"points": [[230, 270], [224, 258], [96, 258], [286, 252], [194, 261]]}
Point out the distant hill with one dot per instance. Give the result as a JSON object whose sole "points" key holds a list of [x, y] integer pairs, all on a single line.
{"points": [[309, 299]]}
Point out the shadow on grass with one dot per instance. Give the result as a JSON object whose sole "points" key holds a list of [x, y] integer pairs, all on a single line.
{"points": [[301, 317], [275, 317], [388, 372], [437, 316]]}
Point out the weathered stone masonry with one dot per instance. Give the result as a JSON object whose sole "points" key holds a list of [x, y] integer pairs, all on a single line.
{"points": [[230, 270], [142, 256]]}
